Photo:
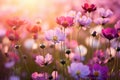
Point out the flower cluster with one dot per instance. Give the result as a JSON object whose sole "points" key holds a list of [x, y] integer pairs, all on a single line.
{"points": [[62, 53]]}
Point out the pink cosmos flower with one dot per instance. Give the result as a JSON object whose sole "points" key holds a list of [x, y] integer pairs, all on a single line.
{"points": [[117, 27], [101, 21], [39, 76], [84, 21], [43, 61], [15, 22], [55, 35], [75, 57], [65, 21], [89, 7], [100, 57], [71, 44], [105, 13], [14, 56], [103, 57], [12, 35]]}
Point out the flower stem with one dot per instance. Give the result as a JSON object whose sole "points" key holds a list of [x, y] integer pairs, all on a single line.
{"points": [[55, 60], [78, 41]]}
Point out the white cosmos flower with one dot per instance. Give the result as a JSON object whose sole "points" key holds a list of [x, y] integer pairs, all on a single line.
{"points": [[111, 51], [28, 44], [94, 43], [82, 50]]}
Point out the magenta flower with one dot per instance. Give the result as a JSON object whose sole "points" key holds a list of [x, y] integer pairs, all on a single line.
{"points": [[55, 35], [39, 76], [105, 13], [78, 70], [65, 21], [89, 7], [84, 21], [44, 61], [110, 33], [98, 72], [100, 57]]}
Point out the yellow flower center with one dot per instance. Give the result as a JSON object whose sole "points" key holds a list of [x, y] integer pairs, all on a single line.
{"points": [[78, 73], [55, 38], [96, 73]]}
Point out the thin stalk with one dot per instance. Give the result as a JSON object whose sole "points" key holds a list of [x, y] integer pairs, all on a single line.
{"points": [[55, 60], [78, 42], [63, 73]]}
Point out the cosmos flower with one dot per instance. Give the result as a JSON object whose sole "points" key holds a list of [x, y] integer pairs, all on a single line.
{"points": [[34, 28], [55, 35], [101, 21], [105, 13], [71, 13], [44, 61], [12, 35], [82, 50], [89, 7], [117, 27], [39, 76], [99, 72], [9, 64], [15, 22], [110, 33], [65, 21], [71, 44], [29, 43], [14, 77], [75, 57], [100, 57], [84, 21], [2, 32], [78, 70], [103, 57]]}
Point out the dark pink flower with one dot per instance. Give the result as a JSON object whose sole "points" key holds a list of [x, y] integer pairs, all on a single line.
{"points": [[89, 7], [110, 33], [65, 21], [12, 35], [39, 76]]}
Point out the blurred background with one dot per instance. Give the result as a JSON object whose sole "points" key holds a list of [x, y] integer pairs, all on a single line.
{"points": [[48, 10]]}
